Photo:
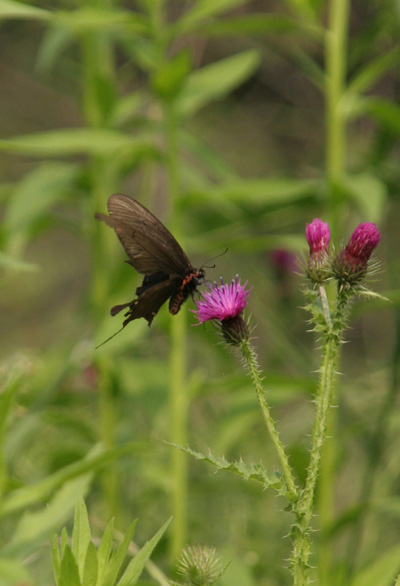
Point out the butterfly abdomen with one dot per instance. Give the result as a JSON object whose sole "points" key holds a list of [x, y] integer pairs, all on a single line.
{"points": [[184, 288]]}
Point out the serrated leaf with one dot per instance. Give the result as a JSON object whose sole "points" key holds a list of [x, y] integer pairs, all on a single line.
{"points": [[90, 568], [118, 558], [135, 567], [253, 472], [103, 553], [381, 571], [216, 81], [12, 10], [80, 535], [69, 575]]}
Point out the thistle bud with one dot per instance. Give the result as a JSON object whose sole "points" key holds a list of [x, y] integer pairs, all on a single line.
{"points": [[351, 264]]}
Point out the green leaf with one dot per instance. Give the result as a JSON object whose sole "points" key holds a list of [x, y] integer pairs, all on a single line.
{"points": [[260, 191], [386, 112], [201, 11], [103, 553], [53, 42], [55, 557], [253, 472], [32, 494], [9, 262], [381, 571], [69, 575], [35, 526], [168, 80], [370, 194], [75, 141], [90, 568], [370, 73], [10, 9], [118, 558], [36, 193], [86, 19], [252, 24], [216, 81], [135, 567], [81, 535]]}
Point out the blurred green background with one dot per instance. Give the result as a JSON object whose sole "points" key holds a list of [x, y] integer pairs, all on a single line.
{"points": [[236, 123]]}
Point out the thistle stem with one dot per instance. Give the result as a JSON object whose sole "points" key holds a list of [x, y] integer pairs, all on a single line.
{"points": [[250, 358]]}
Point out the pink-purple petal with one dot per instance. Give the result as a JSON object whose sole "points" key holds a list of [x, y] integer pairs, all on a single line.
{"points": [[222, 302]]}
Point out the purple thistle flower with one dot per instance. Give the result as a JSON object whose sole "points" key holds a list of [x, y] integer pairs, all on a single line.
{"points": [[350, 265], [225, 303], [318, 237]]}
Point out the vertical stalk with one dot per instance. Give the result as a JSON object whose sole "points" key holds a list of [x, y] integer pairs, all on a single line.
{"points": [[336, 69], [335, 53], [178, 402], [301, 550], [251, 363], [97, 62]]}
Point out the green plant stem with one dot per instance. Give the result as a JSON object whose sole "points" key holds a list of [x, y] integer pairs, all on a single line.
{"points": [[97, 62], [178, 402], [250, 359], [336, 51], [304, 509]]}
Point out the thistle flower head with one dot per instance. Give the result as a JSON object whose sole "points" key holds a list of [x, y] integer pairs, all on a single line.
{"points": [[351, 264], [318, 237], [225, 304], [199, 565]]}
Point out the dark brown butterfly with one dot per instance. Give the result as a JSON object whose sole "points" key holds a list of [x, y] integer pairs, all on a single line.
{"points": [[153, 252]]}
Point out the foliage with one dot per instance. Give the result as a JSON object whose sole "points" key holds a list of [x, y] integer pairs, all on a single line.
{"points": [[236, 125]]}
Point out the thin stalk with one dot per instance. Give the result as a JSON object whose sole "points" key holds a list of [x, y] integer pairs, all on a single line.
{"points": [[301, 551], [178, 402], [250, 359], [97, 59], [336, 52]]}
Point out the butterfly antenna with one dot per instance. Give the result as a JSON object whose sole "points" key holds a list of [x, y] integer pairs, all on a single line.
{"points": [[110, 338], [213, 258]]}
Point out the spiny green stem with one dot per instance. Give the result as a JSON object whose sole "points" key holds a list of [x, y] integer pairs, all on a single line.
{"points": [[250, 358]]}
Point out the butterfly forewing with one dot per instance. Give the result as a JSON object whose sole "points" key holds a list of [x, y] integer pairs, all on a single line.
{"points": [[153, 252], [147, 242]]}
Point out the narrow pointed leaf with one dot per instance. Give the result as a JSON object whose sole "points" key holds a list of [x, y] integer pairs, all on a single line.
{"points": [[215, 81], [117, 560], [135, 567], [13, 10], [55, 557], [104, 551], [81, 535], [69, 575], [90, 568]]}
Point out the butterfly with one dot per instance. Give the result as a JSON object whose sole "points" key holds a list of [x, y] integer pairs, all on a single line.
{"points": [[154, 253]]}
